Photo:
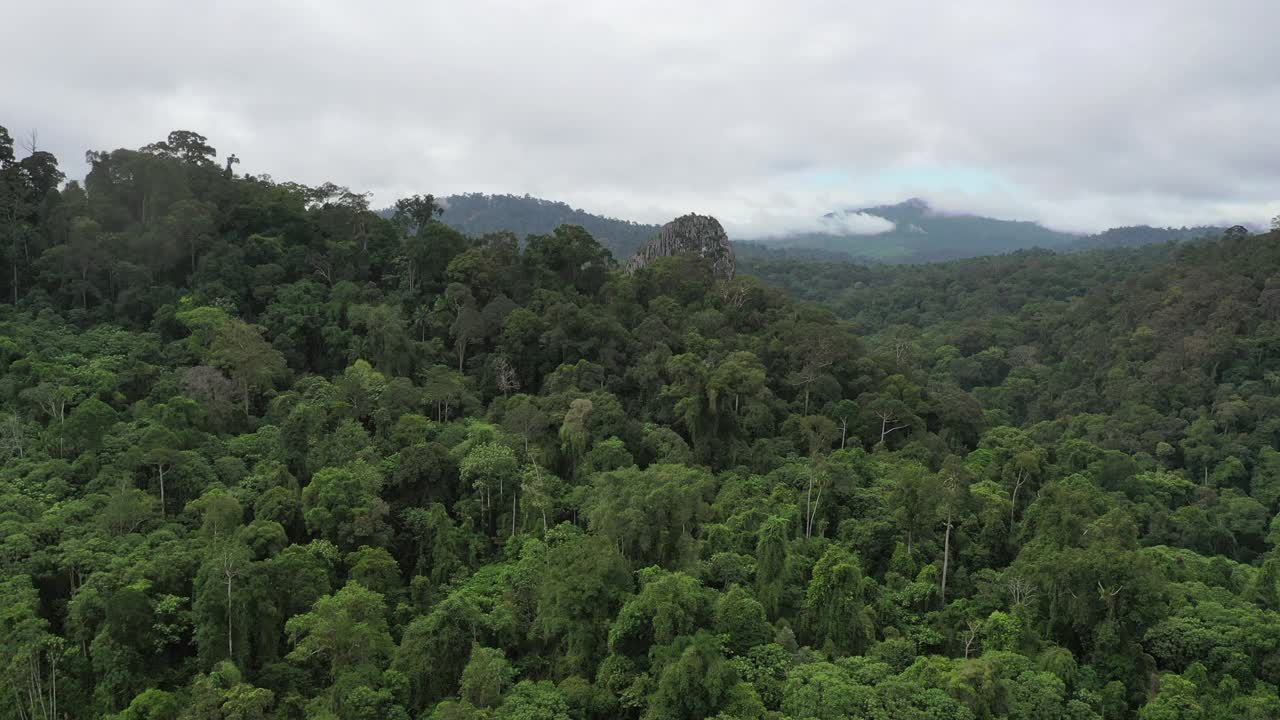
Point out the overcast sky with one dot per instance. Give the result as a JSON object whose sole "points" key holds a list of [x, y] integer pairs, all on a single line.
{"points": [[1082, 115]]}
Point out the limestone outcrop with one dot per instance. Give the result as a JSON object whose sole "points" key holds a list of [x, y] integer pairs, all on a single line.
{"points": [[699, 236]]}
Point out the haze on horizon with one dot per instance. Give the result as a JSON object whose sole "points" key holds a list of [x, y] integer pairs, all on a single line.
{"points": [[1082, 117]]}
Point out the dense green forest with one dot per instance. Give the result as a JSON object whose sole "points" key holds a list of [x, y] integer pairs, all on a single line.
{"points": [[1137, 235], [268, 454]]}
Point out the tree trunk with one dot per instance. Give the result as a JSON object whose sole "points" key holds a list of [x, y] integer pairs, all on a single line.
{"points": [[230, 652], [946, 557], [160, 468], [1014, 504], [808, 508], [62, 416], [814, 515]]}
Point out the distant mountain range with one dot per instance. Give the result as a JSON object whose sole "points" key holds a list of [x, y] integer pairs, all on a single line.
{"points": [[920, 233], [923, 234], [477, 214]]}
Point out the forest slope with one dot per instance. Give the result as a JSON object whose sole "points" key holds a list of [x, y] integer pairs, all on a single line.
{"points": [[270, 455]]}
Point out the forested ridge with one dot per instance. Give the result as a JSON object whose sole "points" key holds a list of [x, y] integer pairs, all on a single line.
{"points": [[477, 214], [919, 233], [268, 454]]}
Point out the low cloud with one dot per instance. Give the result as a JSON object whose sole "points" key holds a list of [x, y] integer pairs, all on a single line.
{"points": [[774, 224], [855, 223]]}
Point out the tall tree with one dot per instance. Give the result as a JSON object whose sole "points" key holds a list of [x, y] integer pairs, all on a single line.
{"points": [[835, 609], [252, 363]]}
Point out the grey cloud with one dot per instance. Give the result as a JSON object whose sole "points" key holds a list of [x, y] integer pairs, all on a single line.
{"points": [[1091, 113]]}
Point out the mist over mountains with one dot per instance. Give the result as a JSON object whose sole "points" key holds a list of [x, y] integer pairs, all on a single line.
{"points": [[920, 233]]}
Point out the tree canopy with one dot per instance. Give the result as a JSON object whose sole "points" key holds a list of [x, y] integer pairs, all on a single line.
{"points": [[269, 454]]}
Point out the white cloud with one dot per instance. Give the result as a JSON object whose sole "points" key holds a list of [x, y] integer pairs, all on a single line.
{"points": [[776, 223], [1090, 114]]}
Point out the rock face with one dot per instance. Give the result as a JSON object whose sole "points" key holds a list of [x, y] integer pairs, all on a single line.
{"points": [[696, 235]]}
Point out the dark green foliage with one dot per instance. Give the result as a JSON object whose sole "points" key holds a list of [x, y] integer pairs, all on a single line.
{"points": [[269, 455]]}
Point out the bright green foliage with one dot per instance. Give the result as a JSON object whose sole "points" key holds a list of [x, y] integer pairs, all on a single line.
{"points": [[486, 677], [375, 569], [222, 693], [1001, 631], [835, 611], [343, 505], [533, 701], [771, 564], [240, 350], [1176, 698], [491, 469], [584, 581], [346, 631], [668, 605], [649, 512], [823, 692], [435, 648], [740, 618], [700, 683], [737, 379], [575, 433], [153, 704]]}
